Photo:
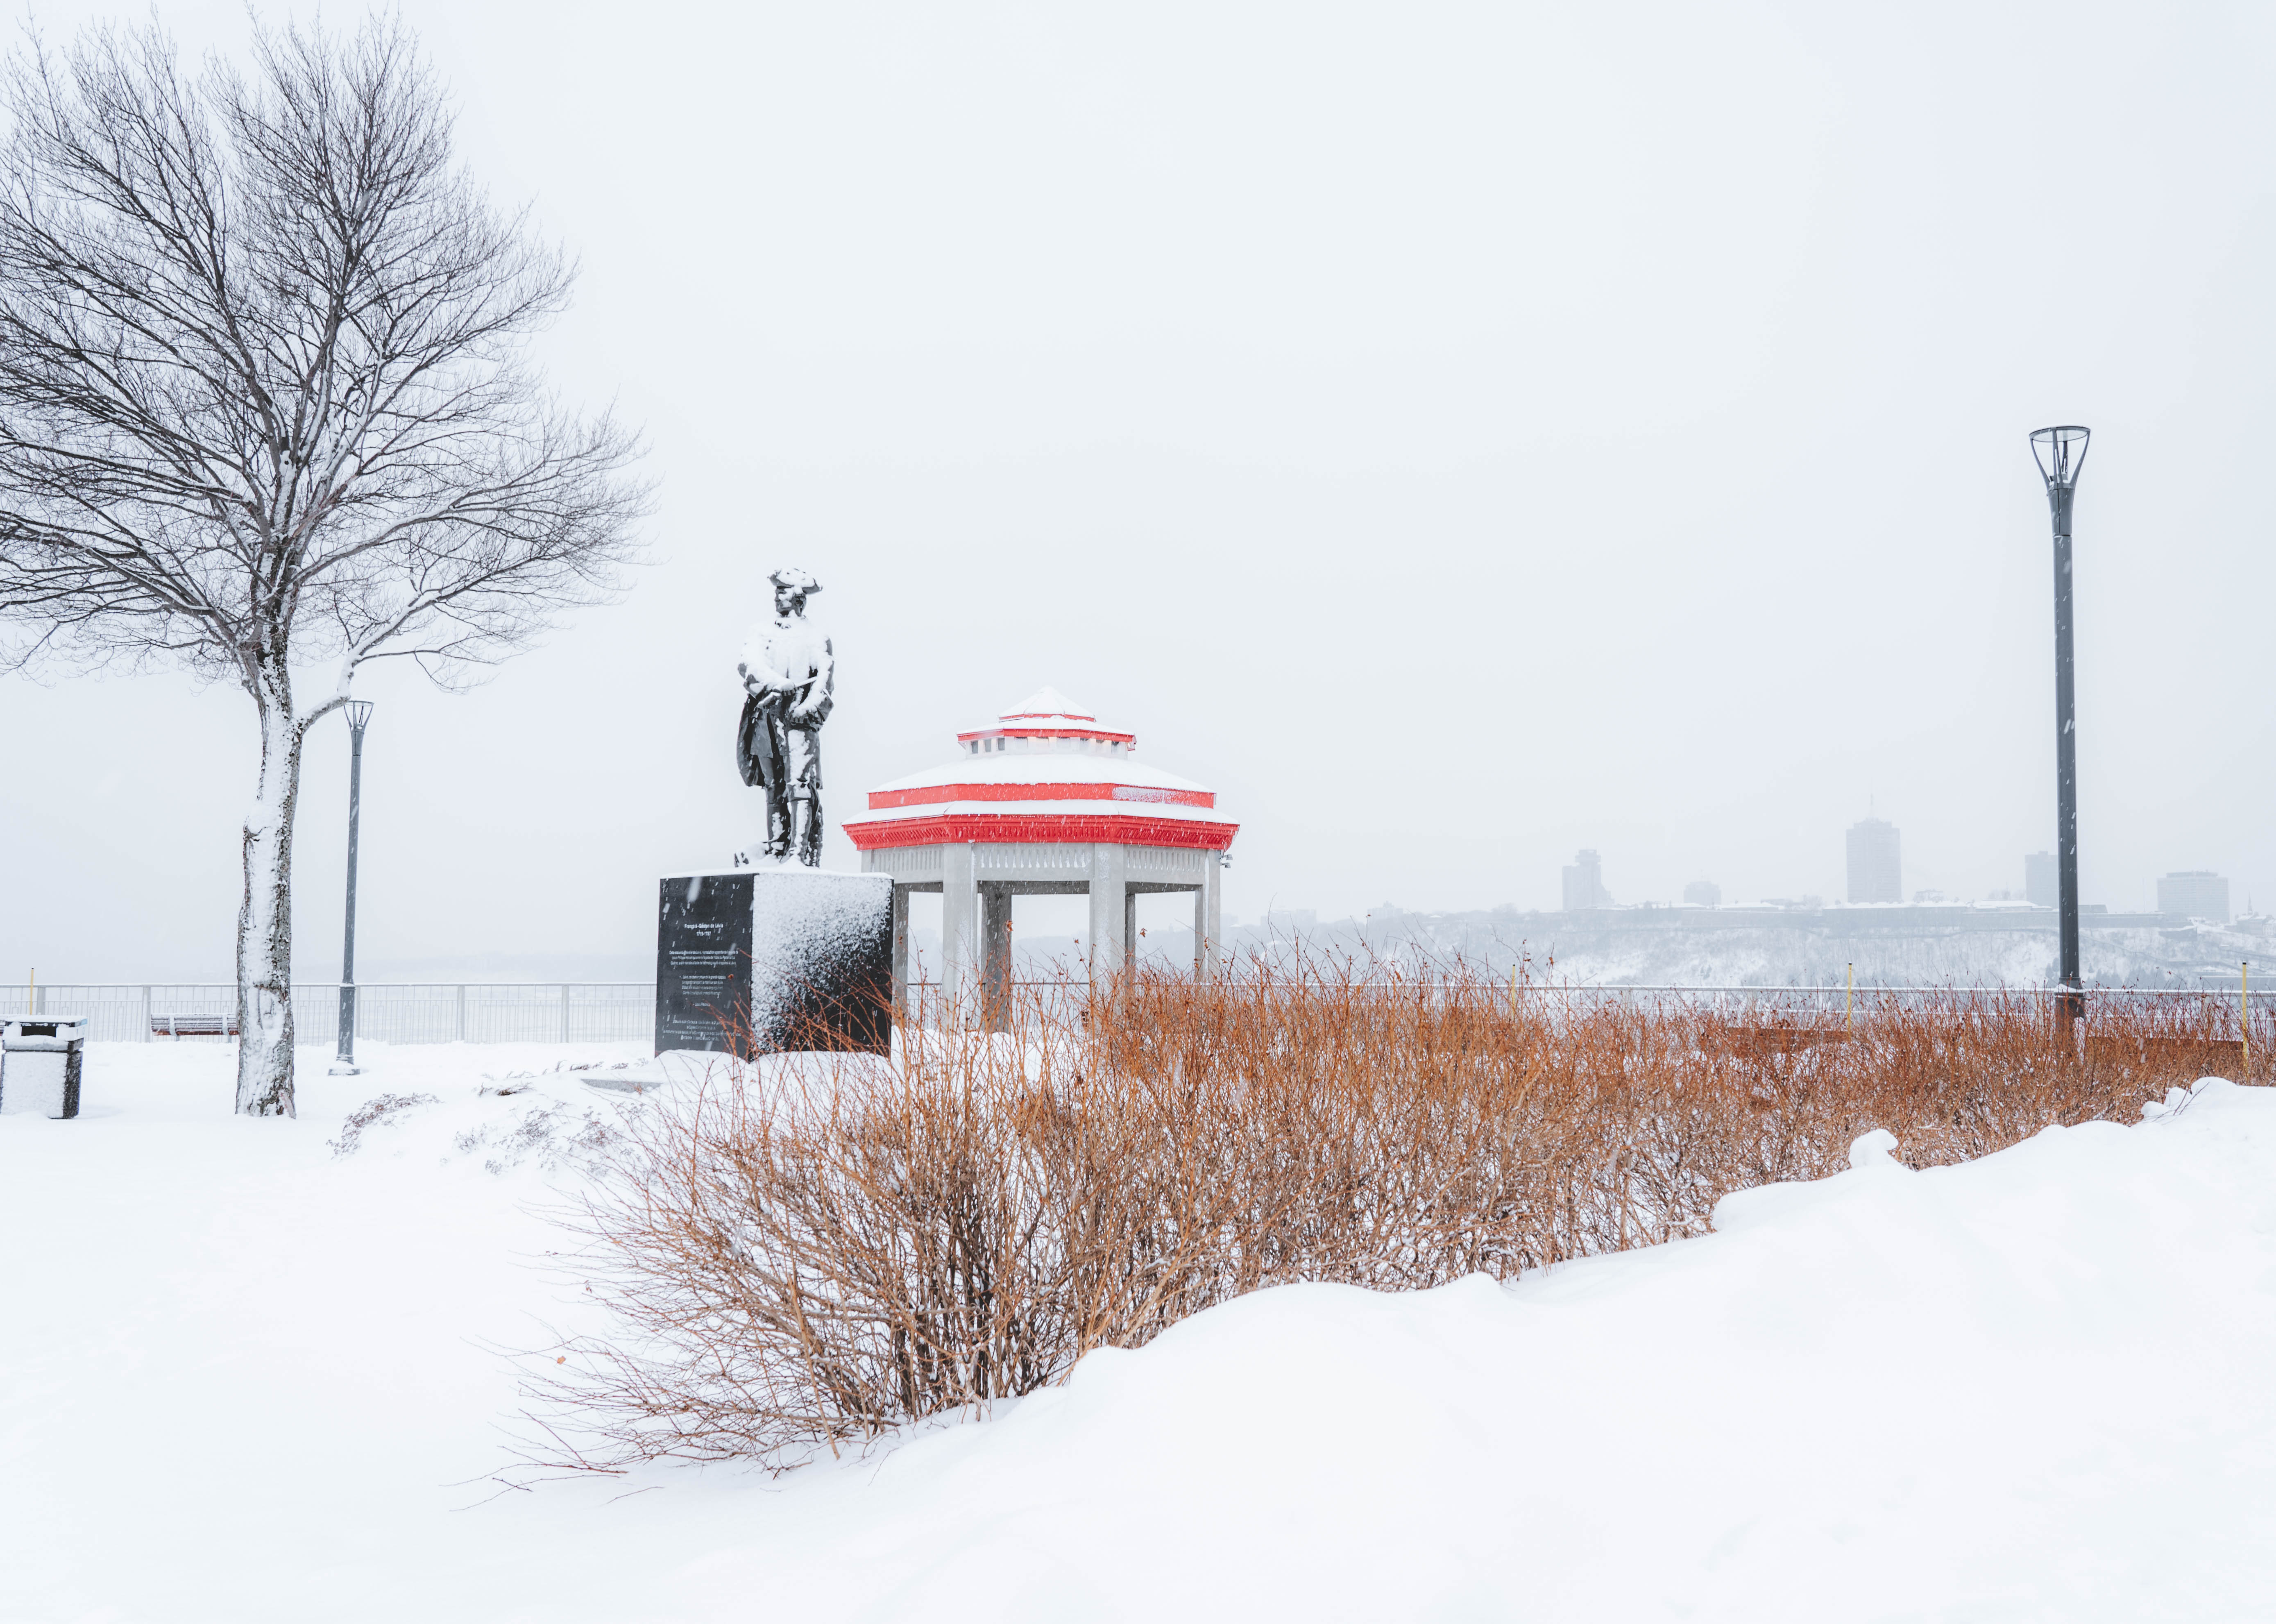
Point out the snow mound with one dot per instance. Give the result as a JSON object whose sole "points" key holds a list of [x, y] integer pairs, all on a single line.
{"points": [[245, 1378]]}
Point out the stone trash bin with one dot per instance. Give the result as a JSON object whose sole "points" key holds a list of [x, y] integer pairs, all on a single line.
{"points": [[39, 1067]]}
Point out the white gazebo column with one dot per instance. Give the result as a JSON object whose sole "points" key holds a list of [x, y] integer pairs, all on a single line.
{"points": [[1109, 892], [1209, 914], [960, 897]]}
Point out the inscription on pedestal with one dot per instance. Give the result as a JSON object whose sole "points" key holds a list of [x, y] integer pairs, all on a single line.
{"points": [[703, 963]]}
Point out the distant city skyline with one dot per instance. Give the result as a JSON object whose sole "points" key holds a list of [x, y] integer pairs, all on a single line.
{"points": [[1875, 873], [2042, 880], [1584, 883], [1876, 861], [2200, 893]]}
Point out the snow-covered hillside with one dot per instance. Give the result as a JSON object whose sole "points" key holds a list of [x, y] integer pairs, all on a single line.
{"points": [[1817, 949], [243, 1379]]}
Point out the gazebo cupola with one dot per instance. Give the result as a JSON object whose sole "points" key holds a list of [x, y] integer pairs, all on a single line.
{"points": [[1047, 721], [1045, 800]]}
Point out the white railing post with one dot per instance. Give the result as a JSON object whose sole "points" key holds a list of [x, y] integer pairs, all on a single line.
{"points": [[564, 1012], [462, 1011]]}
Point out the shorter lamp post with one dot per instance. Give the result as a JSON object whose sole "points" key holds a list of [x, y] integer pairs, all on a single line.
{"points": [[359, 713], [2060, 453]]}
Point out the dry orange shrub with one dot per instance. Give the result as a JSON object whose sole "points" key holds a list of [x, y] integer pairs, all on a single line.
{"points": [[823, 1249]]}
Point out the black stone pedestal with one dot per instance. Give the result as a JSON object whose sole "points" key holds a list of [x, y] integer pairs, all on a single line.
{"points": [[765, 961]]}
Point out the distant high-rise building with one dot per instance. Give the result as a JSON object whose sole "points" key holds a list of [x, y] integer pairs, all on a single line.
{"points": [[1704, 893], [1584, 883], [2042, 882], [1876, 873], [2199, 893]]}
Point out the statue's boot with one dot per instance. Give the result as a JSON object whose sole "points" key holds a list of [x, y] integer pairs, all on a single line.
{"points": [[805, 818]]}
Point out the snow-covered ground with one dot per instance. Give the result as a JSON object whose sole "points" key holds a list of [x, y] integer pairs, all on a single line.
{"points": [[243, 1379]]}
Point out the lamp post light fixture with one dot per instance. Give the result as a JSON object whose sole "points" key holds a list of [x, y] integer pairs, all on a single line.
{"points": [[2060, 453], [359, 714]]}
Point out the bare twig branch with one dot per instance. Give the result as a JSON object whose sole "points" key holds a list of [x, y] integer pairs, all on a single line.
{"points": [[815, 1252]]}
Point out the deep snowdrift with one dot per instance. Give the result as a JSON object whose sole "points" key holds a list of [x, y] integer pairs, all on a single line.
{"points": [[241, 1378]]}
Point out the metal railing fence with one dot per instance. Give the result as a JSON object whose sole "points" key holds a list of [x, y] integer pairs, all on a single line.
{"points": [[625, 1012], [386, 1012], [2214, 1007], [2212, 1012]]}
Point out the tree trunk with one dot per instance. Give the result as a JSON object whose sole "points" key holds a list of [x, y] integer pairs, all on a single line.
{"points": [[264, 921]]}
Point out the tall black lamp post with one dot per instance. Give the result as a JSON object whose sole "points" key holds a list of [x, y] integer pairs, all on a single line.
{"points": [[2061, 452], [359, 712]]}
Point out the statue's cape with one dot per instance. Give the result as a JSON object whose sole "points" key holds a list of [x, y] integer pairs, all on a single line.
{"points": [[758, 739], [756, 754]]}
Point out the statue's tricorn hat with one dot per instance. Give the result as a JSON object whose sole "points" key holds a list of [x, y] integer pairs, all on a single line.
{"points": [[796, 579]]}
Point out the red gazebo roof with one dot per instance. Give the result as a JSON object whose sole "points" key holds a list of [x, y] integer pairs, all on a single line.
{"points": [[1048, 772]]}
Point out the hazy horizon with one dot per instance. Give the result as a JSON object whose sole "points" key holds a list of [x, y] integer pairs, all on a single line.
{"points": [[1458, 435]]}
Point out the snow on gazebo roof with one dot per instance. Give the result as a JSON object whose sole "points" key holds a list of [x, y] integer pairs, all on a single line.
{"points": [[1049, 714], [1048, 702], [1047, 771]]}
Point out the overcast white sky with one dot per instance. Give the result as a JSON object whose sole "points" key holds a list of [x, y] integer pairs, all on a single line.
{"points": [[1456, 434]]}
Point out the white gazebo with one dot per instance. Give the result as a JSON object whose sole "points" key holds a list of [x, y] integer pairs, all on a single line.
{"points": [[1046, 801]]}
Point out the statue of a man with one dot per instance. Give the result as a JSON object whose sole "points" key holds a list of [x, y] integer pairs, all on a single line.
{"points": [[787, 670]]}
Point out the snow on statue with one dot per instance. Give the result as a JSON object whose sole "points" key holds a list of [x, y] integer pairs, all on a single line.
{"points": [[787, 670]]}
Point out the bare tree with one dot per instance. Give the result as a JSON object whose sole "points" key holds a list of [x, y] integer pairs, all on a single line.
{"points": [[263, 403]]}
